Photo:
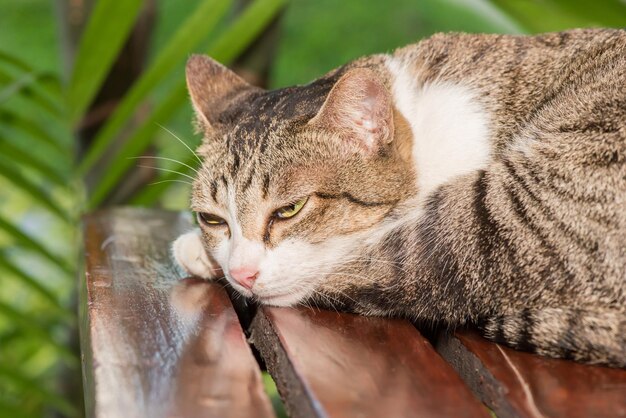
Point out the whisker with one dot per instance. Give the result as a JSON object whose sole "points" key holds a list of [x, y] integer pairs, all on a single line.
{"points": [[167, 170], [181, 141], [166, 159], [170, 180], [329, 299]]}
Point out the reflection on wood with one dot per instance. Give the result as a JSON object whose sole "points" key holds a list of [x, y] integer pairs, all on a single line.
{"points": [[515, 384], [330, 364], [155, 345]]}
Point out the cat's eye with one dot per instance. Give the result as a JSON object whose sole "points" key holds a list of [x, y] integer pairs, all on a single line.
{"points": [[290, 211], [210, 219]]}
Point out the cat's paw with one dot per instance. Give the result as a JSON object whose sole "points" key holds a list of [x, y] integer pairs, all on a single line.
{"points": [[191, 256]]}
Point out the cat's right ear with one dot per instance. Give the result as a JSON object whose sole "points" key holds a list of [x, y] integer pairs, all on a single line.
{"points": [[211, 85], [358, 109]]}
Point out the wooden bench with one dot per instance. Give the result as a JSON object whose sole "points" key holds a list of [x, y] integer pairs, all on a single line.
{"points": [[158, 344]]}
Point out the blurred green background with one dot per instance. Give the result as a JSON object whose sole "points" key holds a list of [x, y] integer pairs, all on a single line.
{"points": [[87, 86]]}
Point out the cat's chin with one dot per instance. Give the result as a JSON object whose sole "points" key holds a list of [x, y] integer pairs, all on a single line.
{"points": [[281, 300], [285, 299]]}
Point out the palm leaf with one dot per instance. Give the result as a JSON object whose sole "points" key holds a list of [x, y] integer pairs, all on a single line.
{"points": [[33, 387], [52, 85], [469, 16], [32, 244], [601, 13], [226, 48], [248, 26], [526, 13], [35, 285], [150, 195], [29, 86], [11, 410], [31, 160], [32, 188], [200, 23], [13, 61], [108, 28], [141, 138], [25, 124], [32, 326]]}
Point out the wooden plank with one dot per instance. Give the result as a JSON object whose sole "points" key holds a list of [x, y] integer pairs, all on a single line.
{"points": [[340, 365], [517, 384], [155, 345]]}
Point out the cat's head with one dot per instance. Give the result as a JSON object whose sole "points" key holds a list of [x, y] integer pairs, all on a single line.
{"points": [[294, 180]]}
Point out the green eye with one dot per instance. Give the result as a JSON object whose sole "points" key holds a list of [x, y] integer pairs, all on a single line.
{"points": [[210, 219], [291, 210]]}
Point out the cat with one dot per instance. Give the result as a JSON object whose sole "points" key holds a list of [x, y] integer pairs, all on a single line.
{"points": [[463, 179]]}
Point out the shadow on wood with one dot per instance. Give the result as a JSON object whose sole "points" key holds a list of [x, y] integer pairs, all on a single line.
{"points": [[331, 364], [518, 384]]}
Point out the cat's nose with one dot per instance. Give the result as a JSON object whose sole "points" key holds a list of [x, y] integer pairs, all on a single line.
{"points": [[245, 276]]}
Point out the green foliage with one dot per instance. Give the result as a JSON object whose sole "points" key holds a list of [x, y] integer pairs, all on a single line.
{"points": [[109, 26], [272, 391], [42, 184], [191, 32], [323, 34]]}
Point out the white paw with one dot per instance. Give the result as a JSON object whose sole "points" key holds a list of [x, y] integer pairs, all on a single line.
{"points": [[191, 256]]}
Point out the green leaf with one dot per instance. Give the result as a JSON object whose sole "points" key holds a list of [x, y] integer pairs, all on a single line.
{"points": [[34, 387], [149, 195], [108, 28], [34, 284], [599, 13], [36, 191], [471, 16], [31, 325], [51, 84], [32, 244], [200, 23], [11, 119], [538, 17], [14, 61], [29, 85], [31, 160], [141, 138], [14, 411], [245, 30], [241, 34]]}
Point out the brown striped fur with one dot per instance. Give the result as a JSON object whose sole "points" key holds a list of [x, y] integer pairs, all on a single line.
{"points": [[532, 247]]}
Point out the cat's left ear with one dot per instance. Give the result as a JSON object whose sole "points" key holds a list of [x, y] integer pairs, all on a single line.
{"points": [[211, 87], [358, 109]]}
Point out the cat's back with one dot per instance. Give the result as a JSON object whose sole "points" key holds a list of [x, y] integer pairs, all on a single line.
{"points": [[569, 86], [556, 111], [476, 57], [518, 79]]}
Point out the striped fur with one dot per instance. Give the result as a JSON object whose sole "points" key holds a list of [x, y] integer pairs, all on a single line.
{"points": [[522, 231]]}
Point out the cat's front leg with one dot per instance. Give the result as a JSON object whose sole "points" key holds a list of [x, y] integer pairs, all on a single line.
{"points": [[190, 254]]}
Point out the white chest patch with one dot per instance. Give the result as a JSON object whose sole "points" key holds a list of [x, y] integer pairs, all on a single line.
{"points": [[450, 127]]}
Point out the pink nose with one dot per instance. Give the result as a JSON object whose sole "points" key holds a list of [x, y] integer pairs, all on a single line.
{"points": [[245, 276]]}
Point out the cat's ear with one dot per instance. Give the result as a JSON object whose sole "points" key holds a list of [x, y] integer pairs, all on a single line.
{"points": [[358, 109], [211, 85]]}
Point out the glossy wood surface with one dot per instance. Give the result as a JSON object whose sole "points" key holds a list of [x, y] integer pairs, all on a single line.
{"points": [[342, 365], [518, 384], [154, 345], [157, 344]]}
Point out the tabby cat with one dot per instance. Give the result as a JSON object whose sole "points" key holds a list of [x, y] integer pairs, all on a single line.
{"points": [[464, 179]]}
